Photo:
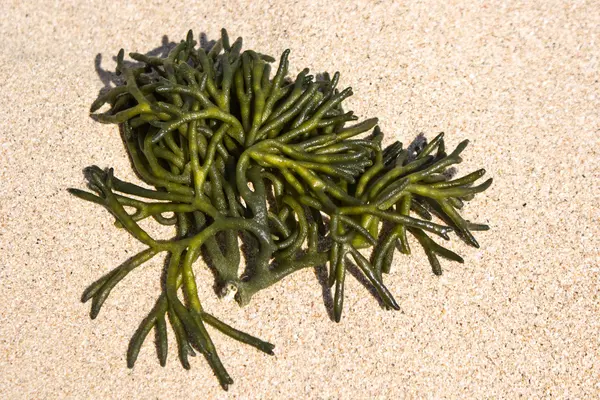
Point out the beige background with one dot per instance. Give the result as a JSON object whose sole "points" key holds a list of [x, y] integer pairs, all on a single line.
{"points": [[519, 318]]}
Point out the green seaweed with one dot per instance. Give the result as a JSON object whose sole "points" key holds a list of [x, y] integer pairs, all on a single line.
{"points": [[235, 154]]}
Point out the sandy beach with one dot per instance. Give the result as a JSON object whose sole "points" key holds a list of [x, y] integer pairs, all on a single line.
{"points": [[519, 319]]}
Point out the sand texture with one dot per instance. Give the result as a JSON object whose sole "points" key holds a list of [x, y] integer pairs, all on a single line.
{"points": [[521, 317]]}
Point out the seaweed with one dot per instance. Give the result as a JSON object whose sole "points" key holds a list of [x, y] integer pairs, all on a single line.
{"points": [[235, 155]]}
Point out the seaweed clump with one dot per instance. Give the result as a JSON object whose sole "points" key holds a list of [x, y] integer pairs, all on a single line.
{"points": [[233, 155]]}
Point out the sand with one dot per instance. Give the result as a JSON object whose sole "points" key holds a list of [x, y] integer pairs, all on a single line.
{"points": [[519, 319]]}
